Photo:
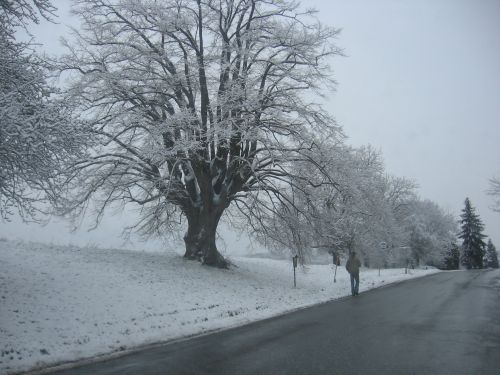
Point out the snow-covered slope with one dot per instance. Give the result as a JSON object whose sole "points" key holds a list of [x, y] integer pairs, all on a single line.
{"points": [[62, 303]]}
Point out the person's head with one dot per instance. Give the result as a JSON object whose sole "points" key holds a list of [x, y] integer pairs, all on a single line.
{"points": [[353, 254]]}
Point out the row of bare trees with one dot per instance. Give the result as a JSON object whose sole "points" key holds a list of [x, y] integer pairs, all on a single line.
{"points": [[366, 210]]}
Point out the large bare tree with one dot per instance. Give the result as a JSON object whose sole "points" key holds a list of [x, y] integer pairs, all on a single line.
{"points": [[196, 104]]}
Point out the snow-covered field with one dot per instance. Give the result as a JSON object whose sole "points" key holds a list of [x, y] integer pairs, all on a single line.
{"points": [[62, 303]]}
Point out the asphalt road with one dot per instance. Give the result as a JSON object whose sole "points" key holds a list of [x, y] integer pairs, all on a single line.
{"points": [[448, 323]]}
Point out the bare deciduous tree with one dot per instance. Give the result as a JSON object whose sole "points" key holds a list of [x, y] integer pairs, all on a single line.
{"points": [[194, 105], [494, 191], [356, 212], [20, 13], [34, 139], [430, 231]]}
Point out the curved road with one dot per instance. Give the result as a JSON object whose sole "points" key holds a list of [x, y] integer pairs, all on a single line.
{"points": [[448, 323]]}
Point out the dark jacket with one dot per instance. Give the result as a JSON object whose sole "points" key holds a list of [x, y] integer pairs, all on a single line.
{"points": [[353, 264]]}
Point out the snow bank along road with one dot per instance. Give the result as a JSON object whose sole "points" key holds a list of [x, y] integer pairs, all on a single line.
{"points": [[63, 303]]}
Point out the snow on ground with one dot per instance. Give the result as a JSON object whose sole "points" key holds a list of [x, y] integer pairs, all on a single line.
{"points": [[62, 303]]}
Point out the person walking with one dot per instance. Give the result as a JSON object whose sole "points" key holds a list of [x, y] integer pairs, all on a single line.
{"points": [[352, 266]]}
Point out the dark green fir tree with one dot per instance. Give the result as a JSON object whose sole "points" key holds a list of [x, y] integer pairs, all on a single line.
{"points": [[491, 255], [452, 258], [473, 246]]}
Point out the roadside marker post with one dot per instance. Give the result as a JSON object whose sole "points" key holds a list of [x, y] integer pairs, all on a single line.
{"points": [[336, 262], [294, 261]]}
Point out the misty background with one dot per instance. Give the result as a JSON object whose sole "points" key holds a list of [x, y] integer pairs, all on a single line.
{"points": [[420, 81]]}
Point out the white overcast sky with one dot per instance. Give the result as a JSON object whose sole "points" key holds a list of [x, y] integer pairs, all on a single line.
{"points": [[420, 81]]}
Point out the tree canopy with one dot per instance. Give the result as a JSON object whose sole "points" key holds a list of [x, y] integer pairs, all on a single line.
{"points": [[34, 137], [494, 191], [196, 105], [377, 215], [491, 255]]}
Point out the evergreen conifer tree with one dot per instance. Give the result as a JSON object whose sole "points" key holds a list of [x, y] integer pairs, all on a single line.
{"points": [[473, 246], [491, 255], [452, 259]]}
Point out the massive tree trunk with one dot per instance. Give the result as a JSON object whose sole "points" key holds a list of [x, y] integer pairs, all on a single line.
{"points": [[201, 233], [206, 188]]}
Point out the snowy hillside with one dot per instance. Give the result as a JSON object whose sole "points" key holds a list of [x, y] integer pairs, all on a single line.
{"points": [[61, 303]]}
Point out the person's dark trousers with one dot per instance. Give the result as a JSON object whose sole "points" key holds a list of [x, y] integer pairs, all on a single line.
{"points": [[355, 283]]}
